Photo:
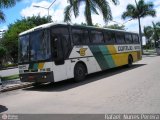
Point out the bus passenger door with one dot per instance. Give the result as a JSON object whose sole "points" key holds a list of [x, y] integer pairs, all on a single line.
{"points": [[60, 48], [59, 67]]}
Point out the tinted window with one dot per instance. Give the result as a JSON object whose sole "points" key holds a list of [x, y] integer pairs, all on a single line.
{"points": [[96, 37], [63, 34], [60, 31], [120, 38], [128, 38], [24, 48], [109, 37], [80, 36], [135, 38], [39, 45]]}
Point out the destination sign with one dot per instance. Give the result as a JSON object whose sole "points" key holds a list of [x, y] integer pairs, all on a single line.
{"points": [[127, 48]]}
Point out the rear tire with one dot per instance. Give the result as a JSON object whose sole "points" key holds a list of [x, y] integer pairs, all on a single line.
{"points": [[79, 72], [130, 61]]}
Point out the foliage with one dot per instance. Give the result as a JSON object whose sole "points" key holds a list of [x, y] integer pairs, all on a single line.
{"points": [[10, 77], [10, 40], [2, 54], [138, 11], [152, 32], [84, 24], [95, 25], [91, 6], [6, 4], [156, 31], [141, 10], [148, 31], [10, 65], [115, 26]]}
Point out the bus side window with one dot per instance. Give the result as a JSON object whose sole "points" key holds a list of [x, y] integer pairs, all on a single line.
{"points": [[85, 36], [128, 38], [109, 37], [96, 36], [80, 36], [76, 36], [120, 38], [135, 39]]}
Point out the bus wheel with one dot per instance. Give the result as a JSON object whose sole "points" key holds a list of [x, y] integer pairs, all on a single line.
{"points": [[79, 72], [130, 61]]}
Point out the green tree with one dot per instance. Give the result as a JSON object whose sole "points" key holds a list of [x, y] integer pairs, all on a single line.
{"points": [[148, 32], [115, 26], [84, 24], [138, 11], [156, 31], [152, 32], [2, 54], [6, 4], [10, 40], [91, 6]]}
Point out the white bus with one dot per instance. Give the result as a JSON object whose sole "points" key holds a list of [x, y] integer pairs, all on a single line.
{"points": [[56, 52]]}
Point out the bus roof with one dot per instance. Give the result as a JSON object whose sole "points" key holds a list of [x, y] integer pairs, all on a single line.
{"points": [[81, 26], [47, 25]]}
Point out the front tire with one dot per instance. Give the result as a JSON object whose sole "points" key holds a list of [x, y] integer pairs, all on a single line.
{"points": [[79, 72]]}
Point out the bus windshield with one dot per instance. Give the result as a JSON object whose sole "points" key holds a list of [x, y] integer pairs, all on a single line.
{"points": [[24, 48], [34, 47]]}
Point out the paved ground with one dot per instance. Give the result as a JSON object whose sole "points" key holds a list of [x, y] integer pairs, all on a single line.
{"points": [[122, 90]]}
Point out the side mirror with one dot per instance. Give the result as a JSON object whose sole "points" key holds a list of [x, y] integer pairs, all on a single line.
{"points": [[58, 51]]}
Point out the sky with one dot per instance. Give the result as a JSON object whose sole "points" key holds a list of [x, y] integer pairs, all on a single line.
{"points": [[25, 8]]}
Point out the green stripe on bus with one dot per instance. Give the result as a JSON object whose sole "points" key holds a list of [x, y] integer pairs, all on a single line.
{"points": [[110, 59], [96, 50], [107, 56], [105, 53], [35, 67]]}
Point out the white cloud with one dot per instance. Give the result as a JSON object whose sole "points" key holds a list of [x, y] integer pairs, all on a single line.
{"points": [[57, 13], [31, 10], [3, 28]]}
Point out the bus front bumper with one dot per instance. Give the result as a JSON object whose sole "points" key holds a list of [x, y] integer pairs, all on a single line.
{"points": [[41, 77]]}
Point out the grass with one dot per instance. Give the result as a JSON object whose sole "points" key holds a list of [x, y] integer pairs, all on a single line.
{"points": [[11, 77]]}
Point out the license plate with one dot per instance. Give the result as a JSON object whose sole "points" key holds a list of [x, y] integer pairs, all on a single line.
{"points": [[31, 77]]}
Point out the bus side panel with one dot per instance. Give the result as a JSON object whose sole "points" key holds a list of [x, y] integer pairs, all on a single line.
{"points": [[103, 56], [99, 57], [110, 56], [90, 63], [122, 58], [82, 54], [60, 72]]}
